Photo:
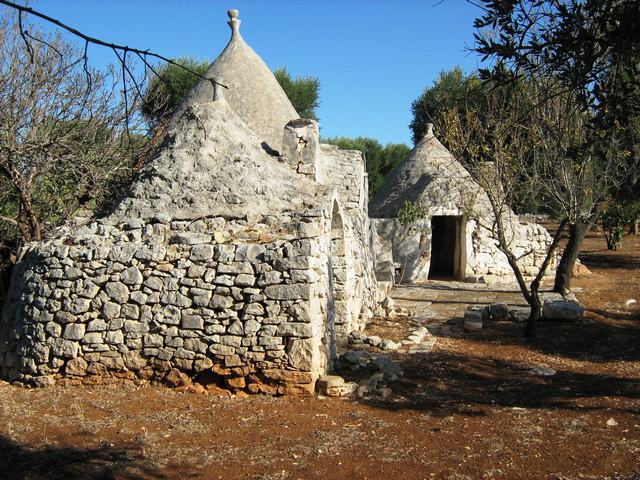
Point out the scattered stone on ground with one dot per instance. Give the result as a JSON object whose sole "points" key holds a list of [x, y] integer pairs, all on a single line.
{"points": [[473, 320], [542, 371], [558, 307], [335, 386]]}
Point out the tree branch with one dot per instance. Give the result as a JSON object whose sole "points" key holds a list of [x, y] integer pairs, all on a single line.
{"points": [[96, 41]]}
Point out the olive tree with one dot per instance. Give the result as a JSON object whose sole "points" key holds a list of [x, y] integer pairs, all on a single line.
{"points": [[515, 151], [63, 130], [591, 49]]}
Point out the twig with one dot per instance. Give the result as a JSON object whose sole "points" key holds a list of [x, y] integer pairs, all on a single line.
{"points": [[97, 41]]}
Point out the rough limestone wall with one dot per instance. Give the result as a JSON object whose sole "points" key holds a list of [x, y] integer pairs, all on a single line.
{"points": [[345, 170], [398, 245], [224, 298], [528, 242]]}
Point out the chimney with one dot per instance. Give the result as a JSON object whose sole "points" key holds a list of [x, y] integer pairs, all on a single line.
{"points": [[301, 147]]}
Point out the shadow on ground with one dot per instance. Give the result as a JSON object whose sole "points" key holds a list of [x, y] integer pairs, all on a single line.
{"points": [[446, 384], [593, 339], [105, 462], [607, 260]]}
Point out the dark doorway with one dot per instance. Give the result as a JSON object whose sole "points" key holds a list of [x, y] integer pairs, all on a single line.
{"points": [[447, 248]]}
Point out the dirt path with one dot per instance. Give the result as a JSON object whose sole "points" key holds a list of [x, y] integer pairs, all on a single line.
{"points": [[469, 409]]}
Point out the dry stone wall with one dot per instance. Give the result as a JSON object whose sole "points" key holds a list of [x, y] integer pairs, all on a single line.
{"points": [[345, 171], [404, 252], [205, 296]]}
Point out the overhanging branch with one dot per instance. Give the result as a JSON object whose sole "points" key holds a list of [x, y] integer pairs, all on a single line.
{"points": [[143, 54]]}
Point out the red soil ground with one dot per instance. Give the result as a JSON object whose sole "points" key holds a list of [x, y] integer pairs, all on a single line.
{"points": [[467, 410]]}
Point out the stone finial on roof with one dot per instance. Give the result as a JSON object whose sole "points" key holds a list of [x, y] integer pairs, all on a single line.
{"points": [[429, 132], [234, 22], [250, 89]]}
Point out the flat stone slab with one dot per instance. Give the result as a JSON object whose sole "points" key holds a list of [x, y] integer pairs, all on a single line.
{"points": [[561, 310]]}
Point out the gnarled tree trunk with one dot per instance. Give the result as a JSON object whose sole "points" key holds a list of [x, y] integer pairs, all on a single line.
{"points": [[564, 272]]}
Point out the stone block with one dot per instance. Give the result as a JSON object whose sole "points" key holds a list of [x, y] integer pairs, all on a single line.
{"points": [[195, 345], [74, 331], [139, 297], [473, 320], [76, 366], [153, 340], [251, 327], [134, 361], [53, 329], [88, 290], [198, 271], [269, 278], [559, 310], [201, 253], [130, 311], [93, 338], [245, 280], [193, 322], [131, 276], [79, 305], [224, 253], [236, 383], [114, 338], [225, 280], [231, 340], [301, 354], [294, 291], [65, 348], [65, 317], [122, 253], [251, 252], [236, 328], [220, 302], [218, 349], [154, 283], [254, 309], [235, 268], [233, 361], [294, 329], [499, 312], [288, 376], [131, 326], [190, 238], [117, 291]]}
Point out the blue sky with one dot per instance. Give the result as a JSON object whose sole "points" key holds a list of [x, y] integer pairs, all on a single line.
{"points": [[372, 57]]}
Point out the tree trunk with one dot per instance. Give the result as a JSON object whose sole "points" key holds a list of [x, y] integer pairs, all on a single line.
{"points": [[577, 232], [532, 321], [27, 220]]}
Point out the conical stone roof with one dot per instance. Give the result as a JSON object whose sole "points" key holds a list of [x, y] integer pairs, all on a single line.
{"points": [[253, 91], [431, 175], [212, 165]]}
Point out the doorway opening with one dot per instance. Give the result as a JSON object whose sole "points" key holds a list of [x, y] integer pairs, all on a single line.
{"points": [[448, 247], [335, 294]]}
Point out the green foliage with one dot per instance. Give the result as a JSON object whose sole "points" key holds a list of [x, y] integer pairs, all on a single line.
{"points": [[615, 220], [590, 47], [165, 91], [411, 212], [303, 92], [379, 160], [452, 90]]}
